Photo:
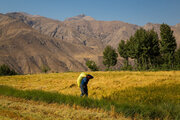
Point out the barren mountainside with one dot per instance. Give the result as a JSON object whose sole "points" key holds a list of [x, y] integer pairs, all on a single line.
{"points": [[26, 50], [96, 34], [28, 42], [86, 30]]}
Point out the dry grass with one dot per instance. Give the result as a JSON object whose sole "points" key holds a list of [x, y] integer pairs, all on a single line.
{"points": [[103, 84], [20, 109]]}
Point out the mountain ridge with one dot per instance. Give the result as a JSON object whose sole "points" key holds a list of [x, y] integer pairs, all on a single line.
{"points": [[80, 17], [84, 32], [26, 50], [65, 45]]}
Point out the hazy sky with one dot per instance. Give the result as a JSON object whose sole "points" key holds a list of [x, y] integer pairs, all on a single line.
{"points": [[137, 12]]}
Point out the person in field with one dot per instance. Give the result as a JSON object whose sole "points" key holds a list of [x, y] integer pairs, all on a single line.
{"points": [[82, 83]]}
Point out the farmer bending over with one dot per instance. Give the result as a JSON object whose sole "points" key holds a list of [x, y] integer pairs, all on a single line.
{"points": [[83, 85]]}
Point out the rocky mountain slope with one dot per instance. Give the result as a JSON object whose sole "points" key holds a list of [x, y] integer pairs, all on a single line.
{"points": [[26, 50], [80, 17], [89, 32], [78, 30], [30, 41]]}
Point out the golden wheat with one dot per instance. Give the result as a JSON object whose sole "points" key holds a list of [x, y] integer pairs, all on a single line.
{"points": [[103, 84]]}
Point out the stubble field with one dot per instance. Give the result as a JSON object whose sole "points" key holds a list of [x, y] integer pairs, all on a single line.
{"points": [[150, 95]]}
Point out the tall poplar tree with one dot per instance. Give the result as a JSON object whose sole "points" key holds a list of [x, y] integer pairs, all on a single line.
{"points": [[109, 57], [144, 48], [168, 44], [123, 50]]}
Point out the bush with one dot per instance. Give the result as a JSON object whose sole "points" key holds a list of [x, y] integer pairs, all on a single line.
{"points": [[5, 70], [129, 67], [91, 65], [45, 68]]}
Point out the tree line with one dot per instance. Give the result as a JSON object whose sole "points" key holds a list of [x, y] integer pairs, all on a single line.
{"points": [[147, 51]]}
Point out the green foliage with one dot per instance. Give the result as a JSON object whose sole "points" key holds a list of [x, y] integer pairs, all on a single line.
{"points": [[129, 67], [168, 44], [152, 48], [109, 57], [123, 50], [45, 68], [150, 102], [177, 59], [5, 70], [91, 65], [144, 47], [149, 52]]}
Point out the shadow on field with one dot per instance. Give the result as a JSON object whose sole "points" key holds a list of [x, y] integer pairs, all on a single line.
{"points": [[150, 102]]}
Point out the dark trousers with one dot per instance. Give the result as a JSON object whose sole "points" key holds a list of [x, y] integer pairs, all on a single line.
{"points": [[84, 90]]}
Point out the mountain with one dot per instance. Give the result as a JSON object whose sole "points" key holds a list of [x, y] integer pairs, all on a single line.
{"points": [[80, 17], [92, 33], [156, 27], [26, 50], [29, 41], [95, 34]]}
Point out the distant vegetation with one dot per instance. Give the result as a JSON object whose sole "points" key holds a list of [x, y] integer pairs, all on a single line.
{"points": [[148, 51], [91, 65], [5, 70], [45, 68], [109, 57]]}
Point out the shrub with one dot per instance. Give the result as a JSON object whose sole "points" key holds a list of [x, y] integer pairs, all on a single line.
{"points": [[5, 70], [91, 65], [129, 67], [45, 68]]}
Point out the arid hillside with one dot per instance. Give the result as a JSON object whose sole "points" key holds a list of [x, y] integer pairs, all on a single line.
{"points": [[86, 30], [29, 42], [26, 50]]}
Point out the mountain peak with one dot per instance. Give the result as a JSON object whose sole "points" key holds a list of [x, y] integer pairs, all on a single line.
{"points": [[177, 25], [80, 17], [22, 14]]}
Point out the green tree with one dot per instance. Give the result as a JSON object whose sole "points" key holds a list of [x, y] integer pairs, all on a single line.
{"points": [[109, 57], [45, 68], [133, 47], [168, 44], [177, 58], [138, 47], [91, 65], [5, 70], [123, 50], [144, 48], [152, 49]]}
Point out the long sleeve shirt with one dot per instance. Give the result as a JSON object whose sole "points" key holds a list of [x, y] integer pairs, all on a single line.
{"points": [[84, 81]]}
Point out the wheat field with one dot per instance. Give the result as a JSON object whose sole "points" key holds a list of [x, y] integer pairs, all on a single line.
{"points": [[104, 85]]}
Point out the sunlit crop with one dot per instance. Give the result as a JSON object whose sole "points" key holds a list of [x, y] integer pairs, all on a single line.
{"points": [[103, 84], [143, 94]]}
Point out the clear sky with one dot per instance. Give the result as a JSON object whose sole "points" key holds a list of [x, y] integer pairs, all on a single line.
{"points": [[137, 12]]}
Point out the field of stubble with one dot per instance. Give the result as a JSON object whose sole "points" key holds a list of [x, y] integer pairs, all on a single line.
{"points": [[150, 95]]}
